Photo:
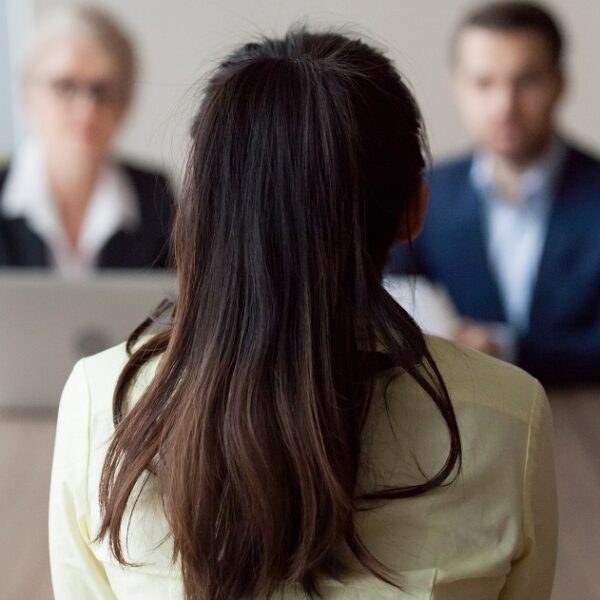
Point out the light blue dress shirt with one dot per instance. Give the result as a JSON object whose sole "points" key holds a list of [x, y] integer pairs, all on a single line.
{"points": [[515, 232]]}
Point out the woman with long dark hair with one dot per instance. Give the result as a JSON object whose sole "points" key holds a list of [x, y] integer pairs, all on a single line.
{"points": [[290, 431]]}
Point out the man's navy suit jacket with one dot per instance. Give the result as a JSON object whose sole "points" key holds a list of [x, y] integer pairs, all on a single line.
{"points": [[562, 344], [145, 247]]}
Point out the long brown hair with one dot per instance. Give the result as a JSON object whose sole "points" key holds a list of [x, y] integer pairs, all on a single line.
{"points": [[306, 155]]}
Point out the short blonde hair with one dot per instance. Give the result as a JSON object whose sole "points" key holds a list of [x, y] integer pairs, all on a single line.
{"points": [[93, 24]]}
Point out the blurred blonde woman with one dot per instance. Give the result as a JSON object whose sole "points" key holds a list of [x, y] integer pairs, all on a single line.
{"points": [[65, 201]]}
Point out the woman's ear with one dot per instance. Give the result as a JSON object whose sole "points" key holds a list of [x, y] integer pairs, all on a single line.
{"points": [[408, 231]]}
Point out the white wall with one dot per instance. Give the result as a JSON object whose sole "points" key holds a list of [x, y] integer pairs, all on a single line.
{"points": [[6, 117], [179, 40], [15, 18]]}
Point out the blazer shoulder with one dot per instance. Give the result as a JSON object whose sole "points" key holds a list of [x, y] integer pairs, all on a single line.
{"points": [[448, 175], [455, 167], [145, 176], [153, 190], [583, 155], [583, 161], [580, 177]]}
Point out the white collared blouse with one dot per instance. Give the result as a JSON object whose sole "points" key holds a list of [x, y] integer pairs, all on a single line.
{"points": [[112, 207]]}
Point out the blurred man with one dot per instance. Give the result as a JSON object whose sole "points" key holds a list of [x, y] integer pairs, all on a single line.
{"points": [[513, 228]]}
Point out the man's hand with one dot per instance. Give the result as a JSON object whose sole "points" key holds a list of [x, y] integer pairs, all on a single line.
{"points": [[476, 335]]}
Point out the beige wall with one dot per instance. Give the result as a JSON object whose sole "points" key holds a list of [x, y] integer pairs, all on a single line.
{"points": [[180, 39]]}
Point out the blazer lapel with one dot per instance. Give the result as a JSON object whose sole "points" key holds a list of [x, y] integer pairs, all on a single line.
{"points": [[558, 239], [479, 297]]}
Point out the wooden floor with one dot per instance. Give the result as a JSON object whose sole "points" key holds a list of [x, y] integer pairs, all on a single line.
{"points": [[25, 457], [26, 454], [577, 427]]}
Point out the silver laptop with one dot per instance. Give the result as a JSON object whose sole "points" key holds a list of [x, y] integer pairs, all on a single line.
{"points": [[48, 323]]}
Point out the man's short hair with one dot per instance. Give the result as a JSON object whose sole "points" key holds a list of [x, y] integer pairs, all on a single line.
{"points": [[516, 16]]}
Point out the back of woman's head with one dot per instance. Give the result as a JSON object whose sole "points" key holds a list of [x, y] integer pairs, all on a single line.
{"points": [[306, 157], [308, 135]]}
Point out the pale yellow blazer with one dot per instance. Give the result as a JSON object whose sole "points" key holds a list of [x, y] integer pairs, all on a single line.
{"points": [[491, 534]]}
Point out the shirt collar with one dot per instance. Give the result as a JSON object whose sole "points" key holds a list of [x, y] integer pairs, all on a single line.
{"points": [[25, 193], [539, 178], [112, 207]]}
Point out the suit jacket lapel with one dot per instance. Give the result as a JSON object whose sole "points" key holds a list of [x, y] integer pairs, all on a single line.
{"points": [[558, 238], [480, 297]]}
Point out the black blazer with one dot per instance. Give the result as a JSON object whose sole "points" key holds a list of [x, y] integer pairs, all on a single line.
{"points": [[142, 248]]}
